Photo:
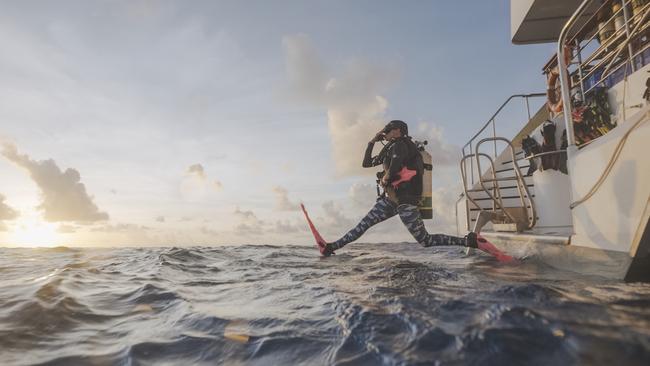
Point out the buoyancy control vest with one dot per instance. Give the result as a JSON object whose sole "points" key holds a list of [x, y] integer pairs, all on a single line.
{"points": [[418, 189]]}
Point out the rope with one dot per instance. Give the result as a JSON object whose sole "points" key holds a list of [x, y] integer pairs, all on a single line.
{"points": [[610, 164]]}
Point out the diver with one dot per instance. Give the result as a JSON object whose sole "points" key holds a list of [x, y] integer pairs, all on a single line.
{"points": [[400, 195]]}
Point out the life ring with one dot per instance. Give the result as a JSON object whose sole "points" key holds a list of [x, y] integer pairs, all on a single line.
{"points": [[553, 94], [554, 97]]}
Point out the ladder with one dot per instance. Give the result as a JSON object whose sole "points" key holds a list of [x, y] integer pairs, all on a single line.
{"points": [[513, 218]]}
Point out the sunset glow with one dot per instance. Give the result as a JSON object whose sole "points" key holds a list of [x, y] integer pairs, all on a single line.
{"points": [[34, 233], [175, 123]]}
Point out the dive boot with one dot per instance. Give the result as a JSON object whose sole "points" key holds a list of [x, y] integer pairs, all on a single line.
{"points": [[327, 250], [471, 240]]}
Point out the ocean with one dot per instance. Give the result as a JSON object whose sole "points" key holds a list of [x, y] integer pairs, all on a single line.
{"points": [[371, 304]]}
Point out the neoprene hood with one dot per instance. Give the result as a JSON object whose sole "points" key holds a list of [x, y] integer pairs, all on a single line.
{"points": [[397, 124]]}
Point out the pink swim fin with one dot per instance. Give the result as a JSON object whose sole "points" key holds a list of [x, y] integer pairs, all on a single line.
{"points": [[486, 246], [320, 242]]}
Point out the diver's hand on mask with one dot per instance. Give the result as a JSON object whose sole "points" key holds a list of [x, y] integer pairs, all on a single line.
{"points": [[379, 136]]}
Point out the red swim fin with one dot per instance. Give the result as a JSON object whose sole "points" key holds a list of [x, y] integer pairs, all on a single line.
{"points": [[489, 248], [320, 242]]}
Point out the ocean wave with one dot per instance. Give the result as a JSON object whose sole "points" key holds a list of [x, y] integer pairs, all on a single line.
{"points": [[259, 305]]}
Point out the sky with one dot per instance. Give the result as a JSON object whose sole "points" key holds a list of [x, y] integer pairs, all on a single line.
{"points": [[207, 122]]}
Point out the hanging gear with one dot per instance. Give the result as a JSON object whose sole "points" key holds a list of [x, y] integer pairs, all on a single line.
{"points": [[530, 147]]}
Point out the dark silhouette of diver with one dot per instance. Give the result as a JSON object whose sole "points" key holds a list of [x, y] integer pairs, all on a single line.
{"points": [[402, 200]]}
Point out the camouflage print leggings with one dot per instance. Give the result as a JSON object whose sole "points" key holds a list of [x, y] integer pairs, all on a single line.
{"points": [[385, 209]]}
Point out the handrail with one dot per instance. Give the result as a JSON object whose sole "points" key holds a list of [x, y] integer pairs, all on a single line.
{"points": [[545, 153], [492, 121], [564, 74], [495, 186], [605, 60], [526, 96], [521, 183]]}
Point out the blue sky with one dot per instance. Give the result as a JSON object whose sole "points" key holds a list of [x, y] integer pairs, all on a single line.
{"points": [[206, 122]]}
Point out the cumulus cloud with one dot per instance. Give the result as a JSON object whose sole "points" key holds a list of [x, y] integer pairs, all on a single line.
{"points": [[282, 202], [210, 232], [196, 170], [246, 215], [249, 223], [355, 106], [245, 229], [442, 152], [362, 195], [64, 196], [120, 228], [217, 185], [66, 229], [305, 70], [6, 212], [196, 184], [285, 227], [334, 216], [444, 209]]}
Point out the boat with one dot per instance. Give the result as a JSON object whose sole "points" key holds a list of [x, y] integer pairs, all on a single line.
{"points": [[572, 186]]}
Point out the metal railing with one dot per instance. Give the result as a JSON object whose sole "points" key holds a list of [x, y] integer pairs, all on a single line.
{"points": [[469, 146], [495, 187], [522, 188], [539, 155], [628, 41]]}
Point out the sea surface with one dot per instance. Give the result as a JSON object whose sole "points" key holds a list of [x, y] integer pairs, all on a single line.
{"points": [[371, 304]]}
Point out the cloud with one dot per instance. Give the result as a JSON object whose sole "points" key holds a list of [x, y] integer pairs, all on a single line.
{"points": [[207, 231], [126, 234], [246, 215], [64, 196], [334, 216], [120, 228], [160, 219], [196, 185], [362, 195], [66, 229], [444, 209], [197, 171], [217, 185], [249, 224], [355, 107], [286, 227], [6, 212], [442, 152], [282, 202], [306, 73]]}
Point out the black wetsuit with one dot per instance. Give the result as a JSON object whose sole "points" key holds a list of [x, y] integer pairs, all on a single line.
{"points": [[394, 156]]}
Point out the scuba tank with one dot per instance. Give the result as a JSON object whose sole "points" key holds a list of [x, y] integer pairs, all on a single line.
{"points": [[426, 204]]}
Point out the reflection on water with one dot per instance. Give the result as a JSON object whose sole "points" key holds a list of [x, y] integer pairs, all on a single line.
{"points": [[370, 304]]}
